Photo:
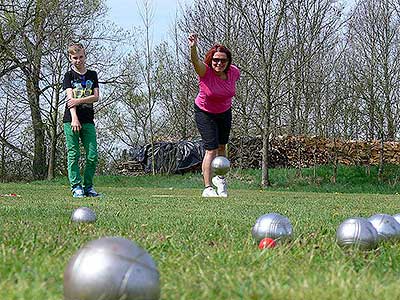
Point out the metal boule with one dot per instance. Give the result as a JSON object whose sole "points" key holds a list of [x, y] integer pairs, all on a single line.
{"points": [[274, 226], [358, 233], [397, 217], [83, 214], [220, 165], [111, 268], [386, 226]]}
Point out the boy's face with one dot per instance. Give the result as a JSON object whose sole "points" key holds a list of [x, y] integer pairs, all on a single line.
{"points": [[78, 59]]}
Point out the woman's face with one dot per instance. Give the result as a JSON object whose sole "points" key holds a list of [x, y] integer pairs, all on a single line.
{"points": [[219, 62]]}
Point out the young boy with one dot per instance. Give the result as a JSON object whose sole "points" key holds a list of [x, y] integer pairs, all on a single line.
{"points": [[82, 88]]}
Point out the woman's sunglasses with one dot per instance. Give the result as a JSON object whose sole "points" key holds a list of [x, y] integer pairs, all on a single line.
{"points": [[221, 60]]}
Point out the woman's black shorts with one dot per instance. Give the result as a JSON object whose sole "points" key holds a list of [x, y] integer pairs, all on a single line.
{"points": [[214, 128]]}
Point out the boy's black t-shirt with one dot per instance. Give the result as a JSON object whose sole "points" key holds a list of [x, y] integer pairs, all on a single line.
{"points": [[82, 86]]}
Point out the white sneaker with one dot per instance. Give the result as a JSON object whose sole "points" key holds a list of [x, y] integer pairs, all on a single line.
{"points": [[209, 192], [222, 187]]}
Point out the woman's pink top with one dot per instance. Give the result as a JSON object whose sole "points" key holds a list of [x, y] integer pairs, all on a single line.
{"points": [[215, 95]]}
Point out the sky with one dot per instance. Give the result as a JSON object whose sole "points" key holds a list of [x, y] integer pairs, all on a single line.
{"points": [[125, 13]]}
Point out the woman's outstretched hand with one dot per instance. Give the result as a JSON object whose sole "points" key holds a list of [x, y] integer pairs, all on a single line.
{"points": [[193, 38]]}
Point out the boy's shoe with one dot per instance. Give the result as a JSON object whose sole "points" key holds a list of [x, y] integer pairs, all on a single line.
{"points": [[220, 183], [209, 192], [90, 192], [77, 192]]}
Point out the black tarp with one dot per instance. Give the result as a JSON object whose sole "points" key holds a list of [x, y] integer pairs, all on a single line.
{"points": [[170, 157]]}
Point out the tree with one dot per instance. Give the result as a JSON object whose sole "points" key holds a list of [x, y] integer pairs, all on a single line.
{"points": [[36, 24], [374, 37], [262, 25], [177, 86], [13, 113]]}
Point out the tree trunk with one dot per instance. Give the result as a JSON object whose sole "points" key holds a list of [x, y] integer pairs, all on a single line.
{"points": [[265, 157], [381, 158], [298, 169], [2, 162], [335, 162], [39, 148], [315, 163], [52, 154], [3, 146], [265, 182], [268, 104], [53, 134]]}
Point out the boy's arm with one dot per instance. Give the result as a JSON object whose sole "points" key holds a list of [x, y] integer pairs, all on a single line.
{"points": [[72, 102], [75, 124]]}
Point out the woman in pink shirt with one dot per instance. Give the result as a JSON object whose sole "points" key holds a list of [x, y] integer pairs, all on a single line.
{"points": [[213, 114]]}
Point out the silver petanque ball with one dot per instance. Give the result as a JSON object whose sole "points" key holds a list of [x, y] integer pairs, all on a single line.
{"points": [[397, 217], [386, 226], [83, 214], [358, 233], [220, 165], [272, 225], [111, 268]]}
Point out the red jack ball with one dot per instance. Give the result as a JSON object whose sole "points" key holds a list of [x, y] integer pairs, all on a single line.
{"points": [[266, 243]]}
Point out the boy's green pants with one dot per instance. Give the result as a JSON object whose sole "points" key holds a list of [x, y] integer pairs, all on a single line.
{"points": [[87, 135]]}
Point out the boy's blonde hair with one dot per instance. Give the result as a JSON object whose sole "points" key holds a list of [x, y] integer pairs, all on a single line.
{"points": [[75, 48]]}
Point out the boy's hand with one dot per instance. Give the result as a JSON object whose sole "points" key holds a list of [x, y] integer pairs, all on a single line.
{"points": [[75, 125], [71, 102]]}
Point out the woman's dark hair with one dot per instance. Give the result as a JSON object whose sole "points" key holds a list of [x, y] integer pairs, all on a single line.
{"points": [[218, 48]]}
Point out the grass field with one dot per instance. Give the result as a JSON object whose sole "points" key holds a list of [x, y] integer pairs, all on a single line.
{"points": [[203, 247]]}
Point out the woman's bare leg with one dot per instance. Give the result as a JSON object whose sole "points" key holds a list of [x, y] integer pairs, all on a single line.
{"points": [[206, 166]]}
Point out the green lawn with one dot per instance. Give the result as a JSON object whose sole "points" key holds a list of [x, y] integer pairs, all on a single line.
{"points": [[203, 247]]}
